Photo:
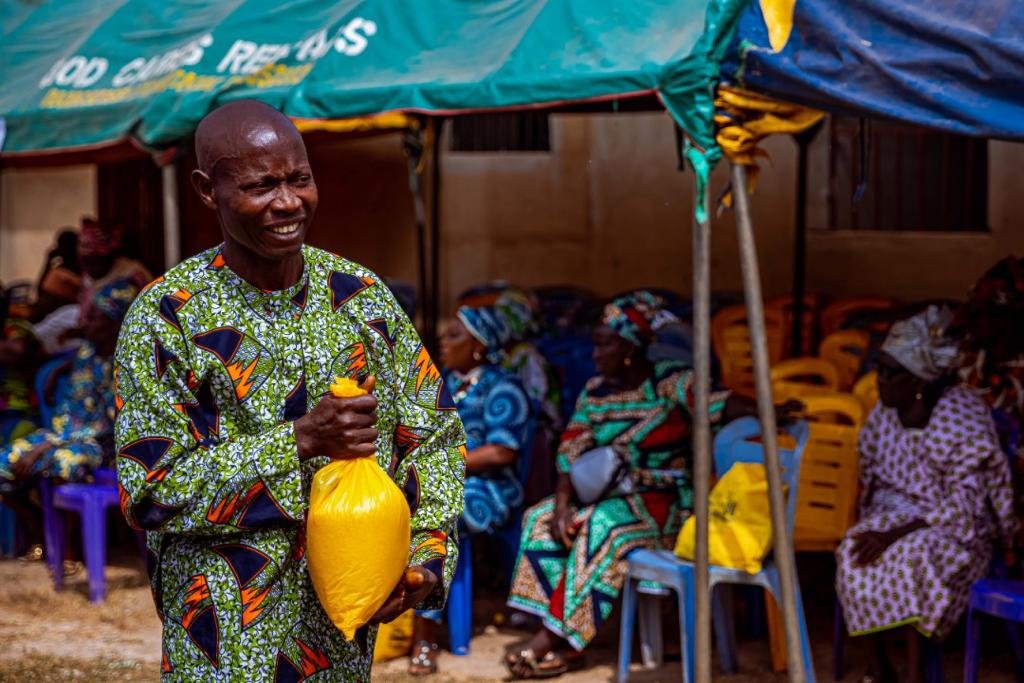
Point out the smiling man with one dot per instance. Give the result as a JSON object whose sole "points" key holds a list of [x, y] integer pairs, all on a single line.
{"points": [[223, 369]]}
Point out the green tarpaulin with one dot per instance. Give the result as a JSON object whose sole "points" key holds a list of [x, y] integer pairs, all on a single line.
{"points": [[79, 73]]}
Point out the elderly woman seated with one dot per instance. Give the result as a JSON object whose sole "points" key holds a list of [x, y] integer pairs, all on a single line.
{"points": [[935, 498], [498, 417], [81, 434], [573, 555]]}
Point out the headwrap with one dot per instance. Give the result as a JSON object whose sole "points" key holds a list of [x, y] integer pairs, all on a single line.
{"points": [[99, 239], [922, 346], [114, 299], [486, 326], [516, 311], [635, 317]]}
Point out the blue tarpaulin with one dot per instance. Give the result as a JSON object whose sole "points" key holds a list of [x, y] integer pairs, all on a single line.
{"points": [[956, 65]]}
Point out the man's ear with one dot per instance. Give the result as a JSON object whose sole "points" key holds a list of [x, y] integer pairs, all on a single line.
{"points": [[204, 187]]}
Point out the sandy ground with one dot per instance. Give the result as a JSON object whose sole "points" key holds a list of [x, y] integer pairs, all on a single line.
{"points": [[49, 636]]}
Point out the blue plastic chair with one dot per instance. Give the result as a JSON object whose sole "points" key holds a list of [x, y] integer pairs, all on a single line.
{"points": [[459, 610], [1001, 598], [573, 358], [732, 445], [89, 500]]}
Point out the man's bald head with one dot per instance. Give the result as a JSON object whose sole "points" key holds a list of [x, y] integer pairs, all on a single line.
{"points": [[254, 172], [239, 127]]}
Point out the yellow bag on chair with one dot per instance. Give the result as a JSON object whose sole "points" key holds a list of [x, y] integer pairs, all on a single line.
{"points": [[357, 534], [394, 640], [739, 523]]}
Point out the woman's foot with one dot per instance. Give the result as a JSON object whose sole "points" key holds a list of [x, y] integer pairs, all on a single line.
{"points": [[537, 658], [34, 554], [424, 659], [524, 664]]}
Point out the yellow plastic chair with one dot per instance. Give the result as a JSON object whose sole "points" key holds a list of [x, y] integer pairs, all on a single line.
{"points": [[835, 315], [800, 377], [846, 350], [866, 389], [827, 497], [783, 305], [730, 338]]}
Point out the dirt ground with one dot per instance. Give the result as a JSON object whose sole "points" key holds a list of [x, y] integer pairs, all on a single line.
{"points": [[49, 636]]}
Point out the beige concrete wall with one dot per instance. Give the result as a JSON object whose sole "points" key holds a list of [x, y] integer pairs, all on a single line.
{"points": [[606, 209], [34, 204]]}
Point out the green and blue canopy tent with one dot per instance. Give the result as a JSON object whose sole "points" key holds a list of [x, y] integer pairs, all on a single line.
{"points": [[81, 76]]}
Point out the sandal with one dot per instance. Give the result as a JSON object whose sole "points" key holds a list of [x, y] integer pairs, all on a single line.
{"points": [[423, 662], [524, 665], [34, 554]]}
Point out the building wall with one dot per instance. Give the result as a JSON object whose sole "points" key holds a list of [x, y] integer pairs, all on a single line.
{"points": [[34, 204], [606, 209]]}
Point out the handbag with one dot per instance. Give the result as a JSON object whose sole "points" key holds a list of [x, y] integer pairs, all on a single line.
{"points": [[601, 473]]}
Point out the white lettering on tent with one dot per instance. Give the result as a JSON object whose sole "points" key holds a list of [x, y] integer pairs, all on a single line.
{"points": [[351, 40], [236, 56], [313, 47], [246, 57], [141, 69], [76, 72]]}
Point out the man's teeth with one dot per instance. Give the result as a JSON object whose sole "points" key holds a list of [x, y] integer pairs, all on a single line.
{"points": [[285, 229]]}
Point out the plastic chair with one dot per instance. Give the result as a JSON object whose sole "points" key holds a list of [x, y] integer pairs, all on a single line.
{"points": [[1000, 598], [836, 314], [733, 444], [90, 501], [826, 505], [802, 377], [572, 358], [846, 350], [808, 325], [730, 338], [459, 610], [866, 389]]}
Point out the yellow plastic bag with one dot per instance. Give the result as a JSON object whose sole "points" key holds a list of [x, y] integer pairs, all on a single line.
{"points": [[357, 535], [394, 640], [739, 523]]}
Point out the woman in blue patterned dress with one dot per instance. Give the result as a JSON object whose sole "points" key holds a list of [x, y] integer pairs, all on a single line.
{"points": [[497, 415]]}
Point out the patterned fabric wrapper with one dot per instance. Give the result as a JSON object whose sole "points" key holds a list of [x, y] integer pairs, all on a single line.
{"points": [[921, 345], [633, 317], [486, 327], [114, 299], [99, 239], [517, 312]]}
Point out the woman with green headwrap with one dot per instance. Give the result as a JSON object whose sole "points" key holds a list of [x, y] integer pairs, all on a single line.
{"points": [[572, 556]]}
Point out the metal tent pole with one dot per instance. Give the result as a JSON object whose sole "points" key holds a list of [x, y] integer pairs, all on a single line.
{"points": [[759, 350], [800, 247], [435, 230], [413, 144], [702, 432], [172, 222]]}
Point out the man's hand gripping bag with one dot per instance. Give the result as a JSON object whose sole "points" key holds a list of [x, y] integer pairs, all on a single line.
{"points": [[357, 533]]}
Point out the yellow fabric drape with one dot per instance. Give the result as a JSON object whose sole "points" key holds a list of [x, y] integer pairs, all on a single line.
{"points": [[778, 17], [360, 124], [744, 118]]}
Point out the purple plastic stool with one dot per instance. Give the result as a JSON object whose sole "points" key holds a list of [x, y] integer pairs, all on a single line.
{"points": [[90, 501], [1001, 598]]}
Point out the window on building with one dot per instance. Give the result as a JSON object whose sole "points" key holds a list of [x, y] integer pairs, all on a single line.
{"points": [[891, 176], [525, 131]]}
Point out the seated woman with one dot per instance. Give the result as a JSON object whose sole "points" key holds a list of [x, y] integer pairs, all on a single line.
{"points": [[935, 495], [81, 434], [516, 310], [497, 415], [573, 558]]}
